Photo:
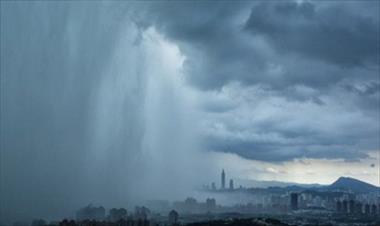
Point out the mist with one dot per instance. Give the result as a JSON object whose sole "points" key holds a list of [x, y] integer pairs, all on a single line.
{"points": [[94, 109]]}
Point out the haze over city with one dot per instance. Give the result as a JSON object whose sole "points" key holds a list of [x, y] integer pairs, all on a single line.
{"points": [[117, 103]]}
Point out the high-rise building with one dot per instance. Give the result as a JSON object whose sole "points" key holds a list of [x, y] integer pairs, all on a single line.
{"points": [[231, 184], [223, 184], [294, 201], [338, 206], [358, 208], [351, 206], [373, 209], [210, 204], [173, 217], [213, 187], [367, 208], [345, 206]]}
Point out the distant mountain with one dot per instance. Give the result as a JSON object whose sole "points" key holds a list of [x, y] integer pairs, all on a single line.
{"points": [[343, 183], [348, 183], [266, 184]]}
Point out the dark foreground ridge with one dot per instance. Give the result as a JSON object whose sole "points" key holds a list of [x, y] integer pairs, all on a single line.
{"points": [[240, 222], [256, 221], [227, 222]]}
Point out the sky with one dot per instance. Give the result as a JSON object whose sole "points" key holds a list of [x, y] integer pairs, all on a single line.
{"points": [[280, 82], [102, 101]]}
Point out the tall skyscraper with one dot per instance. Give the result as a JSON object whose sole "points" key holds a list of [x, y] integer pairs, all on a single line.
{"points": [[231, 184], [223, 184], [294, 201]]}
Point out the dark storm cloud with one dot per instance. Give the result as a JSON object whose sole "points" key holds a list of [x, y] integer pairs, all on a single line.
{"points": [[276, 43], [310, 54], [332, 34], [309, 59], [369, 89], [277, 152], [266, 125], [209, 33], [278, 145]]}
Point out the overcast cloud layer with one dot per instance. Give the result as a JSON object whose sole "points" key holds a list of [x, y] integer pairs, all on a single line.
{"points": [[281, 80]]}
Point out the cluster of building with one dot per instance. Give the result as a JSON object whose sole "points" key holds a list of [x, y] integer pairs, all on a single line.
{"points": [[357, 207], [312, 201], [191, 205], [223, 183], [284, 200], [290, 205], [91, 213], [345, 203], [142, 216]]}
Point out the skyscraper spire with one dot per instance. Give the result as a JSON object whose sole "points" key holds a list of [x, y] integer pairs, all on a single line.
{"points": [[223, 184]]}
